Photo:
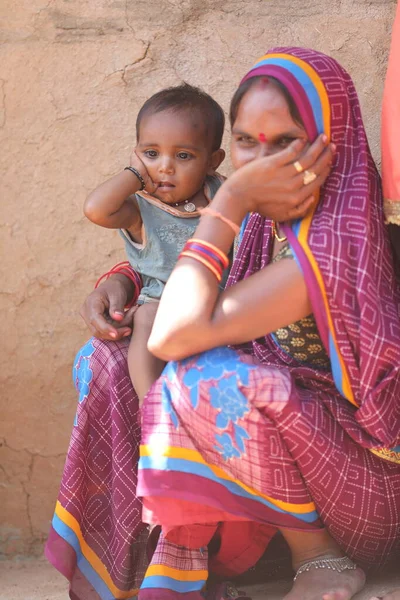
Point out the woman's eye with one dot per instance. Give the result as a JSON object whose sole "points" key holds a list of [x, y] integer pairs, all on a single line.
{"points": [[285, 141], [184, 155], [245, 140], [151, 153]]}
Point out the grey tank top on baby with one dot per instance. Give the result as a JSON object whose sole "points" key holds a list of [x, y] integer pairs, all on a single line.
{"points": [[164, 236]]}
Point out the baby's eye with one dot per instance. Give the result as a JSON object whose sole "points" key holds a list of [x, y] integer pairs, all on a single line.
{"points": [[151, 153], [184, 155]]}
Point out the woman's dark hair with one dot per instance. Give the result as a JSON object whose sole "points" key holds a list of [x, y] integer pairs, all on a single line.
{"points": [[187, 97], [244, 88]]}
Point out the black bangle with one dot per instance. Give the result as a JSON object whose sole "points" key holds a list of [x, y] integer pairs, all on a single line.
{"points": [[138, 175]]}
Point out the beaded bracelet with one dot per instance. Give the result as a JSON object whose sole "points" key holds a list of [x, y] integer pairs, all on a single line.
{"points": [[138, 175], [124, 268]]}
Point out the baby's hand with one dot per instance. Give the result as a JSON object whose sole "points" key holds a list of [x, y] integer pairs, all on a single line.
{"points": [[138, 164]]}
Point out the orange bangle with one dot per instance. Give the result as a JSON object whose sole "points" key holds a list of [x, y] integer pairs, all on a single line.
{"points": [[218, 252], [213, 213], [203, 261]]}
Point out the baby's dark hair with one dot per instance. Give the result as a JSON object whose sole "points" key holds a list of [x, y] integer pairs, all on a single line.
{"points": [[244, 87], [187, 97]]}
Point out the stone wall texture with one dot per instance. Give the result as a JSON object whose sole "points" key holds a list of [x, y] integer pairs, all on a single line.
{"points": [[73, 75]]}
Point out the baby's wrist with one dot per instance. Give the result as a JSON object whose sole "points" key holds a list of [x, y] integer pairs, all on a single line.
{"points": [[140, 179]]}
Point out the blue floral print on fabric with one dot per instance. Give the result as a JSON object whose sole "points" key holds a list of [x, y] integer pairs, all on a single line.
{"points": [[170, 370], [226, 448], [166, 403], [229, 401], [223, 367], [240, 435], [82, 374], [211, 366]]}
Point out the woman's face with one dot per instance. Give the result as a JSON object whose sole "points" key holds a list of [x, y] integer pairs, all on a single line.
{"points": [[263, 109]]}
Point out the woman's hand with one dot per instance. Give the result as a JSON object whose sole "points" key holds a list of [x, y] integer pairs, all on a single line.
{"points": [[272, 186], [138, 164], [103, 310]]}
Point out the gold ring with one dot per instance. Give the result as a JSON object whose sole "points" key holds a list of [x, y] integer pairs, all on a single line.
{"points": [[298, 167], [309, 177]]}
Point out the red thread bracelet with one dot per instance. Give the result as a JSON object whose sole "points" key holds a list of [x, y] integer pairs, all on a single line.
{"points": [[124, 268]]}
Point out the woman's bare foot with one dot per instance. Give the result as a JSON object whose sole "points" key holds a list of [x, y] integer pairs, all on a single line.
{"points": [[321, 583], [325, 584]]}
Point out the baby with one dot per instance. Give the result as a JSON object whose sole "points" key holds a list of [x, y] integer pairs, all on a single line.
{"points": [[155, 201]]}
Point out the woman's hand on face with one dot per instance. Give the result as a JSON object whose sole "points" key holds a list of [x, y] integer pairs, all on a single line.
{"points": [[138, 164], [272, 186], [103, 311]]}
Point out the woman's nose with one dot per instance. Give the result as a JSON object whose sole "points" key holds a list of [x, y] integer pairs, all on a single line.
{"points": [[265, 149]]}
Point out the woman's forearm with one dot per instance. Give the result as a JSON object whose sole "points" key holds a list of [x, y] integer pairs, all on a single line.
{"points": [[193, 316], [274, 297]]}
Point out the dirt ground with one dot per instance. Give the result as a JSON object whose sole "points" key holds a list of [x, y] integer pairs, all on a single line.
{"points": [[35, 579]]}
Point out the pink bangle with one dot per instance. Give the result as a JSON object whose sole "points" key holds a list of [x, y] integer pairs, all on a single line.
{"points": [[213, 213], [124, 268]]}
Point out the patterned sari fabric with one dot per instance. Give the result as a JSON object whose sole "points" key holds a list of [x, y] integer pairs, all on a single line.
{"points": [[391, 128], [251, 435], [97, 539]]}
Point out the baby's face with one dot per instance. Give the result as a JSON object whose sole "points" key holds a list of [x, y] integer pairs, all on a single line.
{"points": [[176, 151]]}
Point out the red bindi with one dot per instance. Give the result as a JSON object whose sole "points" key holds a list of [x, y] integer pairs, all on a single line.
{"points": [[262, 138]]}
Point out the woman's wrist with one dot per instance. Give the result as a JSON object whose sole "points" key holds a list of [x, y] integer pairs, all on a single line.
{"points": [[123, 281], [230, 204]]}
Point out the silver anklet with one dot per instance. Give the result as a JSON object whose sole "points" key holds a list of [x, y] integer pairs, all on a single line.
{"points": [[335, 564]]}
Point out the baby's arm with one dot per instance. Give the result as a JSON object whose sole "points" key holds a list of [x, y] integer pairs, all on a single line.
{"points": [[144, 367], [112, 204]]}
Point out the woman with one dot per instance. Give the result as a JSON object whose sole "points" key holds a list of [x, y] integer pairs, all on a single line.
{"points": [[97, 539], [299, 429], [97, 520]]}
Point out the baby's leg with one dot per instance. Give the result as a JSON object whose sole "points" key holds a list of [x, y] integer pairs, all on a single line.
{"points": [[144, 368]]}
